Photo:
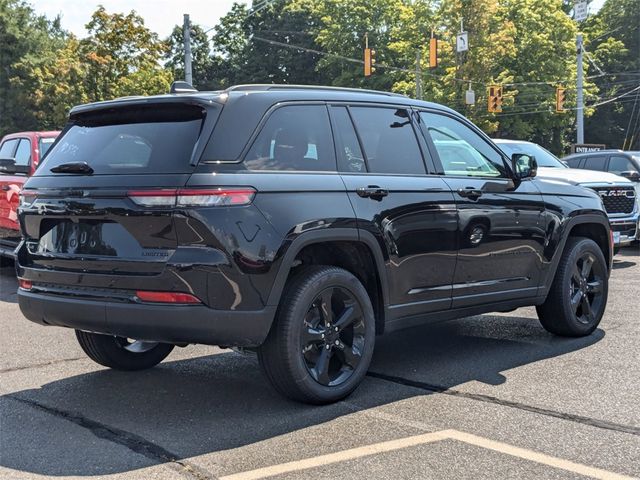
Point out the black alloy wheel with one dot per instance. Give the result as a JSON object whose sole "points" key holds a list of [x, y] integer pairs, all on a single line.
{"points": [[333, 336], [586, 288]]}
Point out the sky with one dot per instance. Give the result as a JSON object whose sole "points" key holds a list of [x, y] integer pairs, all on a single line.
{"points": [[159, 15]]}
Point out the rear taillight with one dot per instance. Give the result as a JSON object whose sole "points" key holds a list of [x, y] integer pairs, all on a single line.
{"points": [[193, 197], [166, 297], [25, 284]]}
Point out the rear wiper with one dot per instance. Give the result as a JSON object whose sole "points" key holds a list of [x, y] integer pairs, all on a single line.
{"points": [[73, 167]]}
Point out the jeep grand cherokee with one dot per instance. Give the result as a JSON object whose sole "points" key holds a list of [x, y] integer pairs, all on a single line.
{"points": [[297, 221]]}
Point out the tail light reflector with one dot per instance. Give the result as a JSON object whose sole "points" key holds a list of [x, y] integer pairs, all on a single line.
{"points": [[193, 197], [167, 297], [25, 284]]}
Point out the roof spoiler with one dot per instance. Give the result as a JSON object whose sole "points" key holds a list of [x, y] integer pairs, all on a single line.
{"points": [[180, 86]]}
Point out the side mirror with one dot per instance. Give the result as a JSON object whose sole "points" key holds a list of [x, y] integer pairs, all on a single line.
{"points": [[631, 175], [524, 166], [8, 166]]}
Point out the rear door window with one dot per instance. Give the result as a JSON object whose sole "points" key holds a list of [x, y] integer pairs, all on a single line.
{"points": [[595, 163], [619, 164], [23, 153], [142, 139], [8, 148], [388, 139], [294, 137]]}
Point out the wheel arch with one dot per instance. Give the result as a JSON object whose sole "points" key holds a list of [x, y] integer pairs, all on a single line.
{"points": [[324, 245], [593, 226]]}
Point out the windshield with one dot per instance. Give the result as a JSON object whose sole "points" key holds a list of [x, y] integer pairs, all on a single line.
{"points": [[141, 139], [544, 158]]}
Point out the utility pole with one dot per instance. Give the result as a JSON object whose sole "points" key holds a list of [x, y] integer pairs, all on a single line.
{"points": [[188, 76], [579, 98], [418, 75]]}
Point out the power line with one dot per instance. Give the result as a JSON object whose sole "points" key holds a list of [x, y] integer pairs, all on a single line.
{"points": [[433, 75]]}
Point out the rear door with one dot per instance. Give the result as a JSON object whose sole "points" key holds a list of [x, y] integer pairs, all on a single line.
{"points": [[115, 218], [500, 234], [409, 212]]}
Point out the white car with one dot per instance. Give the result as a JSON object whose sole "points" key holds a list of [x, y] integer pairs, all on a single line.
{"points": [[618, 193]]}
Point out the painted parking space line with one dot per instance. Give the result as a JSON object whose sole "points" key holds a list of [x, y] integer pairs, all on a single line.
{"points": [[401, 443]]}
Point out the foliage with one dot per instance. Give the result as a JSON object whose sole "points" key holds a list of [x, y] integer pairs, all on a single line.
{"points": [[200, 53], [45, 70], [528, 46], [613, 40], [119, 51]]}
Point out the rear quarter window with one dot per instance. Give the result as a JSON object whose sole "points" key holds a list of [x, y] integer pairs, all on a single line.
{"points": [[135, 140]]}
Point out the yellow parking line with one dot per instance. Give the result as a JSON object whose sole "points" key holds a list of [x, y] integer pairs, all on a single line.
{"points": [[535, 456], [415, 440], [336, 457]]}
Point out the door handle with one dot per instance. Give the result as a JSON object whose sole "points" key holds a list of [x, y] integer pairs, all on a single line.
{"points": [[470, 192], [372, 191], [6, 188]]}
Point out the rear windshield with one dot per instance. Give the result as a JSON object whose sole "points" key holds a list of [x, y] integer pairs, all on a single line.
{"points": [[144, 139]]}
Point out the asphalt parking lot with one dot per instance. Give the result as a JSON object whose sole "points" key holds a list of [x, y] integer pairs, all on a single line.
{"points": [[492, 396]]}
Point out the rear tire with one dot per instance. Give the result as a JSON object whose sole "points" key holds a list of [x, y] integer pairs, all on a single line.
{"points": [[578, 296], [121, 354], [320, 345]]}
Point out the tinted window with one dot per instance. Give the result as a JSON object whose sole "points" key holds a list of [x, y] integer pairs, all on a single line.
{"points": [[8, 147], [594, 163], [23, 153], [461, 150], [574, 162], [149, 139], [350, 158], [45, 145], [388, 139], [294, 138], [620, 164]]}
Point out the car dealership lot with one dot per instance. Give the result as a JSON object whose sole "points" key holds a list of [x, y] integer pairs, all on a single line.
{"points": [[485, 397]]}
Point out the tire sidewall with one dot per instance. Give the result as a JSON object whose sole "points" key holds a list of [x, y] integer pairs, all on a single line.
{"points": [[334, 278], [585, 245]]}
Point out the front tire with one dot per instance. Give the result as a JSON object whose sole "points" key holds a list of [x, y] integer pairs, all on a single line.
{"points": [[121, 353], [320, 345], [578, 296]]}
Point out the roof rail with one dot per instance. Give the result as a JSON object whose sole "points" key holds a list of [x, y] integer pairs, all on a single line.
{"points": [[258, 87]]}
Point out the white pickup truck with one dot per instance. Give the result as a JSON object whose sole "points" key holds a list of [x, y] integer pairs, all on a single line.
{"points": [[618, 194]]}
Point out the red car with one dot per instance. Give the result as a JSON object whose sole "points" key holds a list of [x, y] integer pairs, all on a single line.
{"points": [[20, 154]]}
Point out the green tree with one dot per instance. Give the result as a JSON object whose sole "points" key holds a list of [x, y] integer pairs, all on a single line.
{"points": [[613, 40], [55, 83], [266, 44], [24, 37], [200, 51], [123, 57]]}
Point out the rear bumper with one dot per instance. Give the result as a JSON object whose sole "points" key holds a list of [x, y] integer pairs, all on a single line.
{"points": [[160, 323]]}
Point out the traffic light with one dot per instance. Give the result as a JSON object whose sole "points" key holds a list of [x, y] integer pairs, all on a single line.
{"points": [[561, 96], [369, 61], [495, 99], [433, 52]]}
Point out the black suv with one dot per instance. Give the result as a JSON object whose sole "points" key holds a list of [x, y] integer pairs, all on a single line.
{"points": [[297, 221]]}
